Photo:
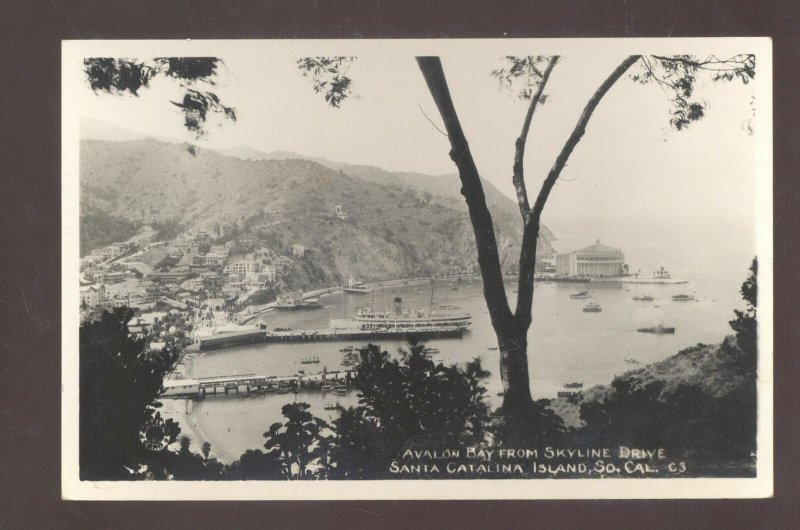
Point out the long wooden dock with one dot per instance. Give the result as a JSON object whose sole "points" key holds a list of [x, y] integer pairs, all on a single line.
{"points": [[256, 384], [255, 336]]}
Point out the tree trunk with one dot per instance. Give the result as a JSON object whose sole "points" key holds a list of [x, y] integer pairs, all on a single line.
{"points": [[512, 338], [517, 400]]}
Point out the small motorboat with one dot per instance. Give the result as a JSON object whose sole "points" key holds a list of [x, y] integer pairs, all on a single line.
{"points": [[592, 307], [643, 298], [581, 295], [682, 297], [658, 330], [573, 385], [631, 360]]}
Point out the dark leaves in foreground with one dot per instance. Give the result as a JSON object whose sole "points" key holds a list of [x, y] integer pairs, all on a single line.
{"points": [[677, 76], [745, 324], [196, 105], [329, 76], [121, 75], [521, 75]]}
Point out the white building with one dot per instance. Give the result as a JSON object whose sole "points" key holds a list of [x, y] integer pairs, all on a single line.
{"points": [[339, 212], [594, 261], [246, 268], [92, 295]]}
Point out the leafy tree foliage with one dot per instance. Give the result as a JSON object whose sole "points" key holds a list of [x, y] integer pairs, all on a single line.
{"points": [[167, 229], [329, 76], [677, 76], [685, 420], [187, 465], [256, 465], [119, 383], [408, 403], [745, 324], [121, 75], [522, 75], [298, 443], [99, 228]]}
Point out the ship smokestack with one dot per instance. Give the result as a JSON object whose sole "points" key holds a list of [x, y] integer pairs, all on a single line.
{"points": [[398, 305]]}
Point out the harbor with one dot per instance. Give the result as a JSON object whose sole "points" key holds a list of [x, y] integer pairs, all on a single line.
{"points": [[565, 344]]}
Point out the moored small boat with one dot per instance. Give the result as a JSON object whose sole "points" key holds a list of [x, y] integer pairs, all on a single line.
{"points": [[682, 297], [658, 330], [581, 295], [592, 307]]}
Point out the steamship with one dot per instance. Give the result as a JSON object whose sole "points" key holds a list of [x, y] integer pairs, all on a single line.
{"points": [[403, 319]]}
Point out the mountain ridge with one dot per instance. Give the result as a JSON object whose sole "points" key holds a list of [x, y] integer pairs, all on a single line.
{"points": [[393, 228]]}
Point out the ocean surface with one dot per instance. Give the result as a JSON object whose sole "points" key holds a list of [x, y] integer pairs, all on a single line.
{"points": [[565, 344]]}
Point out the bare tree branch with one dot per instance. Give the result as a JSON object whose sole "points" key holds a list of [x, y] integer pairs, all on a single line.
{"points": [[527, 260], [519, 154], [431, 121]]}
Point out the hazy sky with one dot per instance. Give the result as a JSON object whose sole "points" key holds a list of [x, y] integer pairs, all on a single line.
{"points": [[629, 162]]}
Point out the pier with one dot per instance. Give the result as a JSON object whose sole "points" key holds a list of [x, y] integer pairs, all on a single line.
{"points": [[252, 384], [256, 336]]}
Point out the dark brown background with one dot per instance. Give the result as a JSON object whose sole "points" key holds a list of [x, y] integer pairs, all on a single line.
{"points": [[30, 377]]}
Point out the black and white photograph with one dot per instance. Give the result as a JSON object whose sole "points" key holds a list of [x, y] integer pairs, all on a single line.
{"points": [[417, 269]]}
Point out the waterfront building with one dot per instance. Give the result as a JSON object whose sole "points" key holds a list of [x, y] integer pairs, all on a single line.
{"points": [[596, 260], [546, 262]]}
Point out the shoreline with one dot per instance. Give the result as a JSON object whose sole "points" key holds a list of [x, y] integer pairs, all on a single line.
{"points": [[270, 307], [192, 429]]}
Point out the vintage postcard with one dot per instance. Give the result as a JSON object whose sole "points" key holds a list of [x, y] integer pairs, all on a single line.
{"points": [[417, 269]]}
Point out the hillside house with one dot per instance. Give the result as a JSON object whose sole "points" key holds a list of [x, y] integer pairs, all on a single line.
{"points": [[339, 212], [93, 295]]}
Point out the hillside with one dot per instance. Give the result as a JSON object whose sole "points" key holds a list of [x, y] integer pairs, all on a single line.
{"points": [[712, 368], [445, 188], [395, 227]]}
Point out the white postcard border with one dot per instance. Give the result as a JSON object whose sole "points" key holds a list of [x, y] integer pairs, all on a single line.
{"points": [[590, 488]]}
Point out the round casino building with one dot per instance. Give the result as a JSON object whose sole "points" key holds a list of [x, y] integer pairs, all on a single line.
{"points": [[594, 261]]}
